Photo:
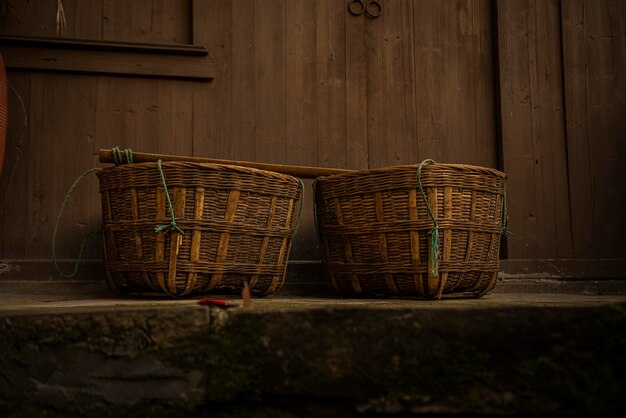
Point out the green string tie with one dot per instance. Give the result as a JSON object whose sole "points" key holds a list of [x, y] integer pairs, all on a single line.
{"points": [[172, 223], [117, 155], [505, 230], [83, 244], [434, 232], [295, 230]]}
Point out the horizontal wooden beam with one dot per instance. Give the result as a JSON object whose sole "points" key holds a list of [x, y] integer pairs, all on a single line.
{"points": [[114, 58], [106, 156]]}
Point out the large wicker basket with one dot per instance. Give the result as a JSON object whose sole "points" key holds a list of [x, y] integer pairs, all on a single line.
{"points": [[218, 226], [380, 239]]}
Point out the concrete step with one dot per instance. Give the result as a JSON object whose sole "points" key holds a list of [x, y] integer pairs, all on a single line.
{"points": [[75, 349]]}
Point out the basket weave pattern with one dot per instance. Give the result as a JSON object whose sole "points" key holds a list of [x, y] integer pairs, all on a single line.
{"points": [[237, 222], [375, 230]]}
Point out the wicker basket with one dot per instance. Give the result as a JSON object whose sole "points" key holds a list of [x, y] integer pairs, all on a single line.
{"points": [[379, 238], [229, 225]]}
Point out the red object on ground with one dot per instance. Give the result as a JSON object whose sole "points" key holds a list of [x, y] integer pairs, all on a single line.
{"points": [[217, 302]]}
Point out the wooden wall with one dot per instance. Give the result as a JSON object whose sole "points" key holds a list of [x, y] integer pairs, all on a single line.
{"points": [[563, 102], [535, 88]]}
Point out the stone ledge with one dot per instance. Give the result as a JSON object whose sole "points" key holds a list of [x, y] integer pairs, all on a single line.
{"points": [[81, 351]]}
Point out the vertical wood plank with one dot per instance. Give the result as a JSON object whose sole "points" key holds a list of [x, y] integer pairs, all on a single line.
{"points": [[392, 131], [147, 21], [594, 53], [270, 81], [13, 183], [243, 81], [455, 89], [300, 82], [400, 70], [86, 19], [483, 50], [54, 103], [533, 134], [356, 92], [331, 87], [212, 27], [430, 77], [380, 147]]}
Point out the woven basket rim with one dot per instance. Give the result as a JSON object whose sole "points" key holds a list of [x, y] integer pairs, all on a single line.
{"points": [[200, 166], [460, 167]]}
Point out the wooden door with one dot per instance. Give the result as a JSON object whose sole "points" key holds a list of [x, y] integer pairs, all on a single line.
{"points": [[420, 84]]}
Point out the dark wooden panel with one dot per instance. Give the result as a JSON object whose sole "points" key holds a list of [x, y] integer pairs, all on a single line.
{"points": [[356, 91], [211, 101], [533, 132], [150, 21], [243, 81], [98, 61], [455, 82], [13, 195], [301, 82], [145, 115], [594, 52], [45, 172], [392, 130], [380, 148], [430, 69], [484, 73], [38, 18], [331, 87], [270, 81]]}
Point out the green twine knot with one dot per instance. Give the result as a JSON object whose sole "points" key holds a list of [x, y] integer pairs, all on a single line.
{"points": [[434, 232], [171, 224], [117, 155]]}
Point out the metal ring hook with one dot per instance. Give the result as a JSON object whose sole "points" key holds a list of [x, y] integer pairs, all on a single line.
{"points": [[373, 9], [357, 7]]}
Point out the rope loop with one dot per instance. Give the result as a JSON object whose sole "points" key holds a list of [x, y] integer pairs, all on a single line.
{"points": [[83, 245], [172, 224]]}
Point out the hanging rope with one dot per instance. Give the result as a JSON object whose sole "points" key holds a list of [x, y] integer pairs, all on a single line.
{"points": [[295, 230], [172, 223], [83, 245], [505, 230], [434, 232]]}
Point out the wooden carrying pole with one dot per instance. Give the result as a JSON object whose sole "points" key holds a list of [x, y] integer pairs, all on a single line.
{"points": [[106, 156]]}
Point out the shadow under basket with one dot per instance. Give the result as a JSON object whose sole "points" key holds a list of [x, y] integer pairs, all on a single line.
{"points": [[230, 225], [379, 236]]}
